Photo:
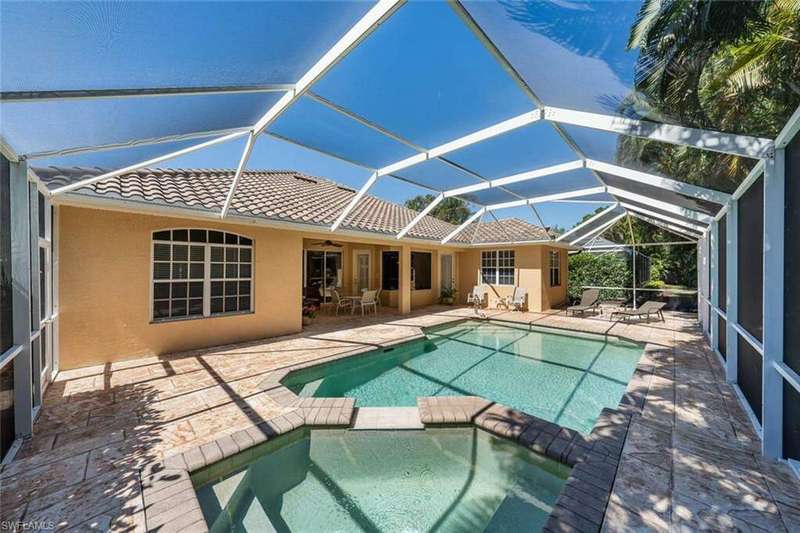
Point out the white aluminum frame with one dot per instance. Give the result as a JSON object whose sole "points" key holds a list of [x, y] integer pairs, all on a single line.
{"points": [[598, 231], [586, 222], [676, 230], [728, 143], [664, 206], [674, 221], [479, 213]]}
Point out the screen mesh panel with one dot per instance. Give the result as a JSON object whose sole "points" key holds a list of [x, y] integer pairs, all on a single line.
{"points": [[697, 204], [791, 250], [791, 422], [7, 432], [751, 259], [722, 264], [722, 337], [749, 375], [6, 316]]}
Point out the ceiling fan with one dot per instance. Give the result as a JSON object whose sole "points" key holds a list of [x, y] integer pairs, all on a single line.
{"points": [[327, 243]]}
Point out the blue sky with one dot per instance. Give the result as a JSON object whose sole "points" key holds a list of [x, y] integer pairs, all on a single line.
{"points": [[422, 75]]}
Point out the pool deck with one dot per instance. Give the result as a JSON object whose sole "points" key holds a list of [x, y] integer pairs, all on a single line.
{"points": [[690, 459]]}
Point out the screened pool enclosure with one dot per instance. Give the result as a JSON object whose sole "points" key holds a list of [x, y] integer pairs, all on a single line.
{"points": [[508, 106]]}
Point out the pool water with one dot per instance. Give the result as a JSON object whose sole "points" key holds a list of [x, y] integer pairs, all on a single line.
{"points": [[444, 479], [556, 376]]}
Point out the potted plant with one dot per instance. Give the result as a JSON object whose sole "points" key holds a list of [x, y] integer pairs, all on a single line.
{"points": [[309, 312], [448, 295]]}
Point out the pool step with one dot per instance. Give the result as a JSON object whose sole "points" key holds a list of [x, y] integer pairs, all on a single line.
{"points": [[366, 418]]}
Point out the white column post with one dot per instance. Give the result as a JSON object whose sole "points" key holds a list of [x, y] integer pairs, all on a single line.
{"points": [[21, 296], [732, 296], [772, 383], [633, 247], [713, 282]]}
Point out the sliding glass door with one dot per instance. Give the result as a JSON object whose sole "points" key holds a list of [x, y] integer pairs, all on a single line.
{"points": [[323, 270]]}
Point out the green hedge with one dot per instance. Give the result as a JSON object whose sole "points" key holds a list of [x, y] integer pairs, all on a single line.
{"points": [[602, 270]]}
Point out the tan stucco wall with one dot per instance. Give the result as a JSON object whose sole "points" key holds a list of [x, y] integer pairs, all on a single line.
{"points": [[104, 289], [530, 272]]}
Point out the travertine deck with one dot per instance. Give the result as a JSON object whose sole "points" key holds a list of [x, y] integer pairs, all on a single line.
{"points": [[690, 460]]}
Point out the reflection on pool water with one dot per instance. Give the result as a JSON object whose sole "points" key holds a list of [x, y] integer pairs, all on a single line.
{"points": [[556, 376], [442, 479]]}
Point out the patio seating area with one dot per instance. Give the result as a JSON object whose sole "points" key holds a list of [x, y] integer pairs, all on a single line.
{"points": [[691, 459]]}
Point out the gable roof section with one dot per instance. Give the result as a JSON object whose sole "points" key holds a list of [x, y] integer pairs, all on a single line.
{"points": [[282, 195]]}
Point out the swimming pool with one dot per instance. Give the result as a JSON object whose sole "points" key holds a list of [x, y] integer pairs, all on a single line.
{"points": [[563, 378], [442, 479]]}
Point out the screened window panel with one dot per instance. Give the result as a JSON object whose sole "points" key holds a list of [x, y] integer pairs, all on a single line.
{"points": [[490, 196], [165, 44], [7, 426], [437, 175], [6, 314], [622, 150], [78, 123], [464, 88], [112, 159], [791, 422], [531, 147], [390, 271], [555, 183], [750, 254], [722, 336], [590, 73], [421, 270], [658, 210], [663, 195], [749, 374], [722, 263], [791, 282], [310, 123]]}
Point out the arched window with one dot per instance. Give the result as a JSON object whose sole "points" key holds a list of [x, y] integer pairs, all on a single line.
{"points": [[199, 273]]}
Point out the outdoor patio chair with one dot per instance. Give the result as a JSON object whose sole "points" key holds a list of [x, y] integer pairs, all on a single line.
{"points": [[648, 308], [517, 299], [476, 297], [338, 302], [368, 299], [590, 299]]}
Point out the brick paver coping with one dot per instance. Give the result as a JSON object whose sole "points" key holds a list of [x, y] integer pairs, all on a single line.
{"points": [[171, 502]]}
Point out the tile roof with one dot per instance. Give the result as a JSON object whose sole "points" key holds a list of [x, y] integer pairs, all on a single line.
{"points": [[283, 195]]}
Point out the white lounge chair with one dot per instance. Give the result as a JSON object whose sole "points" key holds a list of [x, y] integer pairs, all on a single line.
{"points": [[517, 299], [367, 300], [340, 303], [477, 296]]}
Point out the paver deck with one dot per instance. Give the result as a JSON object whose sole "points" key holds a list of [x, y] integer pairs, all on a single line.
{"points": [[691, 458]]}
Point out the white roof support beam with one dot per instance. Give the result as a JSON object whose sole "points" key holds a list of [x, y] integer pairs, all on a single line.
{"points": [[144, 164], [664, 206], [86, 94], [677, 230], [598, 231], [462, 142], [354, 201], [742, 145], [699, 228], [371, 20], [516, 178], [653, 180], [251, 140], [547, 198], [428, 208], [477, 214], [586, 222]]}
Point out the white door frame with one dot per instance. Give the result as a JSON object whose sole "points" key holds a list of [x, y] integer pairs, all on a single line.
{"points": [[452, 269]]}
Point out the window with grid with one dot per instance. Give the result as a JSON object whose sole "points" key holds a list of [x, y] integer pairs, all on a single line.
{"points": [[199, 273], [497, 267], [555, 268]]}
